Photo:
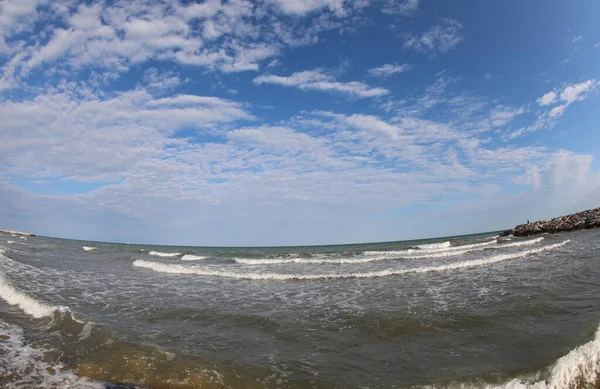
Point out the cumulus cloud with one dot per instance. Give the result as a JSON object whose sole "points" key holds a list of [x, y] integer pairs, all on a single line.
{"points": [[548, 98], [321, 81], [438, 39]]}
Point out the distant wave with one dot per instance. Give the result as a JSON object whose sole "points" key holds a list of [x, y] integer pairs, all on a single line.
{"points": [[88, 248], [190, 257], [179, 269], [444, 248], [383, 255], [26, 303], [10, 241], [434, 246], [249, 261], [159, 254]]}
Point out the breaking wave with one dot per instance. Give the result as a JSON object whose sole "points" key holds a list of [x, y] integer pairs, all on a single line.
{"points": [[29, 305], [26, 366], [190, 257], [88, 248], [167, 255], [373, 256], [580, 368], [180, 269], [434, 246]]}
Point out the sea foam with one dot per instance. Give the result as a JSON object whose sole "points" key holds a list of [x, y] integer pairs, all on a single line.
{"points": [[180, 269], [434, 246], [580, 368], [88, 248], [167, 255], [373, 256], [25, 366], [190, 257], [26, 303]]}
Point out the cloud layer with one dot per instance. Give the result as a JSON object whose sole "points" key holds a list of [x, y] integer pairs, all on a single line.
{"points": [[227, 123]]}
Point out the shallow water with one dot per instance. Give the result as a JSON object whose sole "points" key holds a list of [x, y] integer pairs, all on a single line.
{"points": [[471, 311]]}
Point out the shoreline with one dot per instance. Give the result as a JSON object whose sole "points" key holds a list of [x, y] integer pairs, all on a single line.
{"points": [[583, 220]]}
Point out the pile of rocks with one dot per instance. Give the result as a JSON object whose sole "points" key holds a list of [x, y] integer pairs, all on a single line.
{"points": [[577, 221], [17, 233]]}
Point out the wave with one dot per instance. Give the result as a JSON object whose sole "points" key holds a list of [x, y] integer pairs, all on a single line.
{"points": [[10, 241], [29, 305], [159, 254], [179, 269], [580, 368], [389, 255], [434, 246], [24, 365], [88, 248], [441, 249], [247, 261], [190, 257]]}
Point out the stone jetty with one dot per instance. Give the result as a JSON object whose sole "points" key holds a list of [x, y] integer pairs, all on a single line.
{"points": [[17, 233], [577, 221]]}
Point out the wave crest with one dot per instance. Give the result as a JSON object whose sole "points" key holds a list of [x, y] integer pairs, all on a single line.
{"points": [[180, 269], [190, 257], [167, 255]]}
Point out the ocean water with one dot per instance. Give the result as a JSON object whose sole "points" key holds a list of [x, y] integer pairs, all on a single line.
{"points": [[465, 312]]}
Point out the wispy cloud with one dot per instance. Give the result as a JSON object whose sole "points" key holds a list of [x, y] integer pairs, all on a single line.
{"points": [[321, 81], [438, 39], [402, 7], [564, 97], [389, 69]]}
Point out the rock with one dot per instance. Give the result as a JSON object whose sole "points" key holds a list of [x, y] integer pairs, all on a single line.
{"points": [[577, 221], [17, 233]]}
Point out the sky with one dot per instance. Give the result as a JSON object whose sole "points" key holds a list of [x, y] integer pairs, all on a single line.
{"points": [[289, 122]]}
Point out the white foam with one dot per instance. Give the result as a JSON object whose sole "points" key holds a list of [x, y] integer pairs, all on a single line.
{"points": [[88, 248], [24, 366], [10, 241], [250, 261], [383, 255], [434, 246], [579, 368], [28, 304], [180, 269], [190, 257], [22, 237], [473, 246], [159, 254]]}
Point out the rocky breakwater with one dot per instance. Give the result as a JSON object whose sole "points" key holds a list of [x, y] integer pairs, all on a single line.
{"points": [[577, 221], [17, 233]]}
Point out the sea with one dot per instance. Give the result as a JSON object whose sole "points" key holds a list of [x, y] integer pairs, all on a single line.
{"points": [[477, 311]]}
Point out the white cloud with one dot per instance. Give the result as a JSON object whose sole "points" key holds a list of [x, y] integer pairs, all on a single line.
{"points": [[68, 135], [319, 80], [441, 38], [567, 96], [548, 98], [576, 39], [301, 8], [389, 69], [16, 16], [165, 80], [577, 92]]}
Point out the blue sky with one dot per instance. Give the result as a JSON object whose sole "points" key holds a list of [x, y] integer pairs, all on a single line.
{"points": [[282, 122]]}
